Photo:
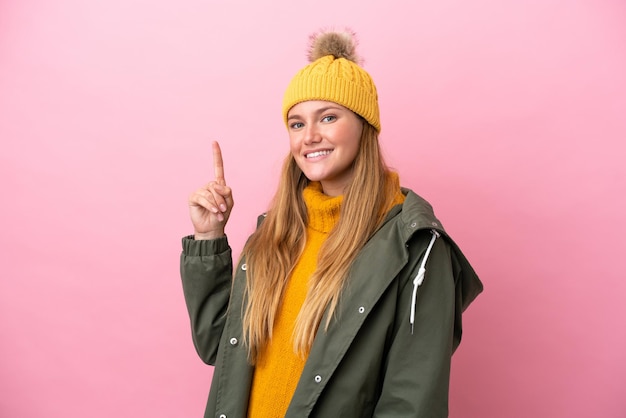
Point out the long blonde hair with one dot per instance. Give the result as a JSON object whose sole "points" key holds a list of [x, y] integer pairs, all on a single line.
{"points": [[273, 250]]}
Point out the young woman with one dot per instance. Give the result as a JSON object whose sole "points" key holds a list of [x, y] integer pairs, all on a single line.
{"points": [[347, 299]]}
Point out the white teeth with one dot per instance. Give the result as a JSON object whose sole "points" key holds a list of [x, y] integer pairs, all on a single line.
{"points": [[318, 154]]}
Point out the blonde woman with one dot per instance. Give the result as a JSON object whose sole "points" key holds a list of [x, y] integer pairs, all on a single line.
{"points": [[347, 299]]}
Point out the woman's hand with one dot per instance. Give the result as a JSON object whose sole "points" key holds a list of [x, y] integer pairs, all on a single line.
{"points": [[210, 206]]}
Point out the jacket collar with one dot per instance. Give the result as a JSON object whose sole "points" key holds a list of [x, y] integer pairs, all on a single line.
{"points": [[415, 214]]}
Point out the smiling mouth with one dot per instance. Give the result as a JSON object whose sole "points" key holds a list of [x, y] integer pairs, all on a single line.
{"points": [[318, 153]]}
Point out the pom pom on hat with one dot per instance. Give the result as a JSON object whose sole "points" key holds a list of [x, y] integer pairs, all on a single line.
{"points": [[337, 44], [335, 75]]}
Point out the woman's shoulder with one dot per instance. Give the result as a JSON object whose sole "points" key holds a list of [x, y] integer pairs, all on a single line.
{"points": [[417, 213], [260, 219]]}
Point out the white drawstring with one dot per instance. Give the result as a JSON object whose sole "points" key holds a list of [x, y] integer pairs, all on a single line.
{"points": [[417, 282]]}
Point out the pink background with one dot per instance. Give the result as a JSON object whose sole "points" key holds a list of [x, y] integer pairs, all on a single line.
{"points": [[509, 116]]}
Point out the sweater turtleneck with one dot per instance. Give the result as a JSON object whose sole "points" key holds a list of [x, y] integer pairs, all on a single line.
{"points": [[278, 367], [322, 210]]}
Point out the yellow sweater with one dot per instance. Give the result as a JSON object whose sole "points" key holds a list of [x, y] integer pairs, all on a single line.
{"points": [[278, 367]]}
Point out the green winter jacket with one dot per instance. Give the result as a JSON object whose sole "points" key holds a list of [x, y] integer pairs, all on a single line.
{"points": [[388, 351]]}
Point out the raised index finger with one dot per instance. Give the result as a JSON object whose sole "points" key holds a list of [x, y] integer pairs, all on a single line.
{"points": [[218, 164]]}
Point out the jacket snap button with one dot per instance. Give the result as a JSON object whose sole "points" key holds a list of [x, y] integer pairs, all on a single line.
{"points": [[233, 341], [222, 416], [414, 224], [244, 267], [318, 378], [361, 309]]}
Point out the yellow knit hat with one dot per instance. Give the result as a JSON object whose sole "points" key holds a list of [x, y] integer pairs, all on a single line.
{"points": [[334, 75]]}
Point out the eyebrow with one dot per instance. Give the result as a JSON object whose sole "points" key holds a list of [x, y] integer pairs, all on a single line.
{"points": [[317, 112]]}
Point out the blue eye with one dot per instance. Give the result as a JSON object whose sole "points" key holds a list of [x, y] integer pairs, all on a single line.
{"points": [[329, 118], [296, 125]]}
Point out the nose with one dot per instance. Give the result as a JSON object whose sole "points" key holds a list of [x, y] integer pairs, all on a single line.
{"points": [[311, 134]]}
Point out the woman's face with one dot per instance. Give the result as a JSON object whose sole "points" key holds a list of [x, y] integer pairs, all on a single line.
{"points": [[325, 139]]}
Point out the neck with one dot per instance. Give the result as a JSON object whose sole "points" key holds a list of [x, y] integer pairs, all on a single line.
{"points": [[322, 210]]}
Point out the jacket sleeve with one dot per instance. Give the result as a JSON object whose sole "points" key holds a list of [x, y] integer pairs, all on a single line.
{"points": [[417, 368], [206, 271]]}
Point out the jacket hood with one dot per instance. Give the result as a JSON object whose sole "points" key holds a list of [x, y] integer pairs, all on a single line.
{"points": [[418, 214]]}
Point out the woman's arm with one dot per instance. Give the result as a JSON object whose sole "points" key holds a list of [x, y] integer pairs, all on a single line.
{"points": [[206, 261], [416, 374], [206, 272]]}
